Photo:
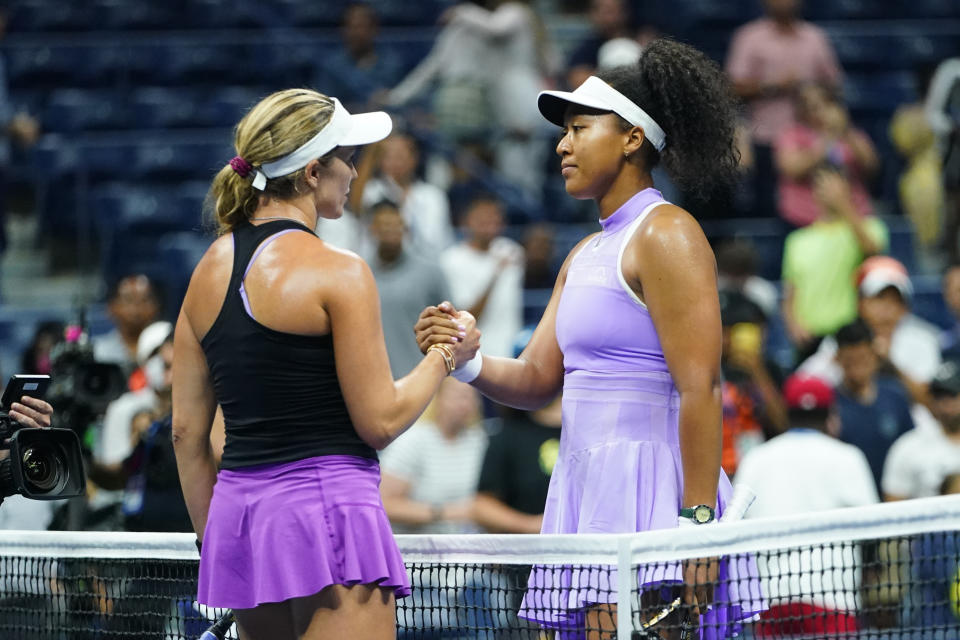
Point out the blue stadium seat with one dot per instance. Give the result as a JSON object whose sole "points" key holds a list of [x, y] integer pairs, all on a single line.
{"points": [[847, 9], [38, 15], [879, 91], [928, 301], [178, 159], [163, 108], [901, 240], [123, 15], [45, 66], [920, 46], [77, 110], [868, 49], [227, 105]]}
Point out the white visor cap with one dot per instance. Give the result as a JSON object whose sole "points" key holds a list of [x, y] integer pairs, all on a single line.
{"points": [[597, 94], [343, 130]]}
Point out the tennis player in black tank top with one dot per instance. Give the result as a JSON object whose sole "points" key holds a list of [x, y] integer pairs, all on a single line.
{"points": [[283, 333]]}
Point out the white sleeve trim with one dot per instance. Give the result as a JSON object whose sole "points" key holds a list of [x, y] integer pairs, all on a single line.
{"points": [[630, 230]]}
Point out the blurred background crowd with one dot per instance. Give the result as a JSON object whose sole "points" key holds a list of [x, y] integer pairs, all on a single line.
{"points": [[837, 252]]}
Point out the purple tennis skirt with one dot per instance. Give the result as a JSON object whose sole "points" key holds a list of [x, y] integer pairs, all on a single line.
{"points": [[289, 530]]}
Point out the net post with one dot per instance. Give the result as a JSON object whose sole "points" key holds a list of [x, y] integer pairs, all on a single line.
{"points": [[624, 589]]}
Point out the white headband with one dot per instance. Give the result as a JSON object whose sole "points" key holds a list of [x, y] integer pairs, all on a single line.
{"points": [[343, 129], [597, 94]]}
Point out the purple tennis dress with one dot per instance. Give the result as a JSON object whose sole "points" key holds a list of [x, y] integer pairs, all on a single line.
{"points": [[619, 467]]}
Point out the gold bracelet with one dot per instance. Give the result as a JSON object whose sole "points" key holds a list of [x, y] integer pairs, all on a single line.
{"points": [[446, 353]]}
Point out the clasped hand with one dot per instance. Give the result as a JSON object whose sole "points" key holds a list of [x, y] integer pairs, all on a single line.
{"points": [[443, 324]]}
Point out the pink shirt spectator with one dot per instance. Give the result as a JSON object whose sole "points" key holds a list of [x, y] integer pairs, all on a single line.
{"points": [[763, 53], [797, 203]]}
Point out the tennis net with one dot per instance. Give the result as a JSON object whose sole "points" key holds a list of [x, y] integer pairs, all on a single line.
{"points": [[885, 571]]}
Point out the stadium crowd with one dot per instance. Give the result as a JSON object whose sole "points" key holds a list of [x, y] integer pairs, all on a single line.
{"points": [[841, 360]]}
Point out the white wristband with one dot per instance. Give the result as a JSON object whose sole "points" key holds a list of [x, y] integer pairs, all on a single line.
{"points": [[469, 370]]}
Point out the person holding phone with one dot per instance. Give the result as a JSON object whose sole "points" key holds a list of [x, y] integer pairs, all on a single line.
{"points": [[632, 335], [283, 332]]}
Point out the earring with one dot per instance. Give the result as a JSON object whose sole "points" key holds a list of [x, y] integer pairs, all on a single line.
{"points": [[626, 154]]}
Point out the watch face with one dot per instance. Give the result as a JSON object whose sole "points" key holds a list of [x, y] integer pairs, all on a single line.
{"points": [[702, 514]]}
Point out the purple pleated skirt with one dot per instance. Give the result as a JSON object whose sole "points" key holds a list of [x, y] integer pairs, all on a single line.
{"points": [[288, 530]]}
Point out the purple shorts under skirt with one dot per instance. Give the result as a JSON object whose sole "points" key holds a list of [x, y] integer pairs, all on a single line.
{"points": [[288, 530]]}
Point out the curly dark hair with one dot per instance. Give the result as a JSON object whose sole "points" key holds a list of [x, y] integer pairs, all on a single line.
{"points": [[687, 94]]}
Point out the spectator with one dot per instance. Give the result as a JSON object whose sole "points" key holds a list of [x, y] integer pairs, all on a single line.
{"points": [[921, 459], [359, 70], [430, 473], [152, 497], [737, 271], [489, 66], [494, 291], [805, 471], [943, 114], [133, 302], [540, 269], [388, 171], [950, 338], [406, 283], [768, 59], [873, 408], [820, 260], [753, 408], [821, 140], [118, 436], [610, 21], [36, 357], [907, 346], [516, 470], [21, 128], [921, 182]]}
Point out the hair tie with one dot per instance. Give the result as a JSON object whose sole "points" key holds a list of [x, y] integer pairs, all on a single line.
{"points": [[241, 166]]}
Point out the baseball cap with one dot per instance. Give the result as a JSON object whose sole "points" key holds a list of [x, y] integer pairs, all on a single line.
{"points": [[807, 393], [946, 381], [151, 338], [880, 272]]}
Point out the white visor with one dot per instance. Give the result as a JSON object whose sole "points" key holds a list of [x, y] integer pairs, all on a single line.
{"points": [[343, 130], [597, 94]]}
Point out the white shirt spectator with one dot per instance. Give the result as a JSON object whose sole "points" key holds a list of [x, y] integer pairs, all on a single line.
{"points": [[914, 350], [24, 514], [469, 272], [918, 462], [804, 471], [439, 470], [425, 209]]}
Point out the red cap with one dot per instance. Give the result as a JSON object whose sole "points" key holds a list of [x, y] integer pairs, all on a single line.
{"points": [[807, 393]]}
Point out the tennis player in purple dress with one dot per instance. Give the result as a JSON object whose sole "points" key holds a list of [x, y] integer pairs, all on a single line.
{"points": [[283, 333], [632, 334]]}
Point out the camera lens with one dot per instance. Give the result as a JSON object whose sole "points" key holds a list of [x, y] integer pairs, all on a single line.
{"points": [[42, 467]]}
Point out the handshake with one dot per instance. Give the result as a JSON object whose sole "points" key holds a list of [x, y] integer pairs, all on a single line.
{"points": [[445, 325]]}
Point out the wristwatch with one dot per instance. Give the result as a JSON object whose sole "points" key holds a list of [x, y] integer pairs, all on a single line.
{"points": [[700, 514]]}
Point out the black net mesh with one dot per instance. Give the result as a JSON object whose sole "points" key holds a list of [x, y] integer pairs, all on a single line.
{"points": [[898, 587]]}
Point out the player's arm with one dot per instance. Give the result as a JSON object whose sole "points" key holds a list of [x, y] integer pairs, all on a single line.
{"points": [[380, 408], [677, 276]]}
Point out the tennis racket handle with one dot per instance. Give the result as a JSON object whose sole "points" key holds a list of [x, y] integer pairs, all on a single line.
{"points": [[218, 630]]}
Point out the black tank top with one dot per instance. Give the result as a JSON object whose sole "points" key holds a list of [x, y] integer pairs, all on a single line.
{"points": [[279, 392]]}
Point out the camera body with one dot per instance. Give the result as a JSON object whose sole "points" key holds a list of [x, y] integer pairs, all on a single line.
{"points": [[44, 464]]}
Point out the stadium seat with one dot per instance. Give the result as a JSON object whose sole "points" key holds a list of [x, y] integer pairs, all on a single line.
{"points": [[227, 105], [882, 92], [163, 108], [927, 301], [124, 15], [77, 110]]}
